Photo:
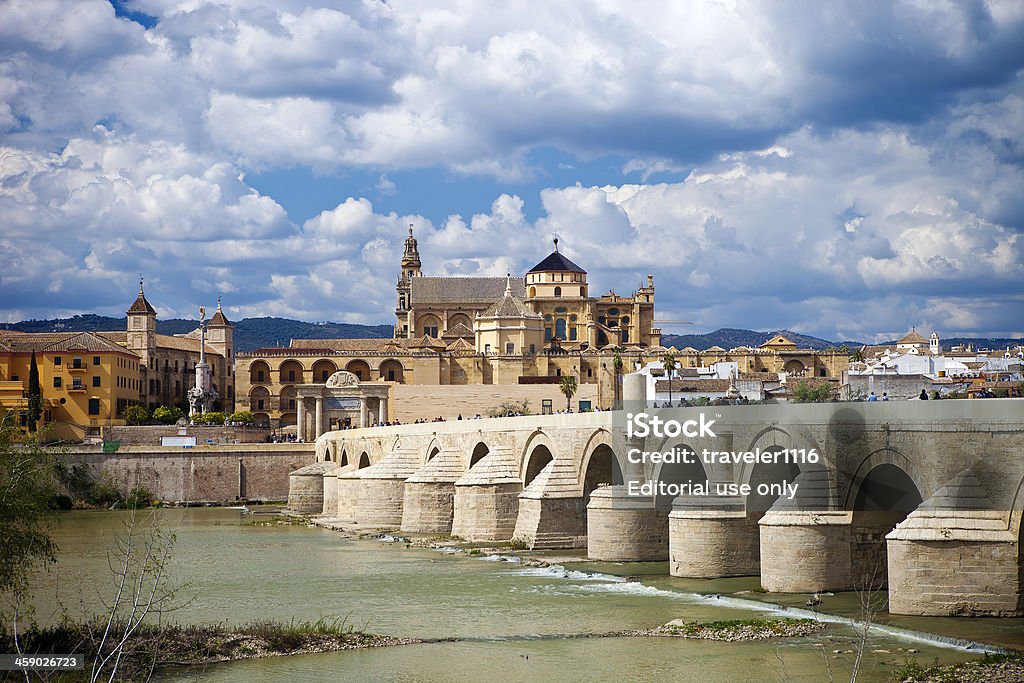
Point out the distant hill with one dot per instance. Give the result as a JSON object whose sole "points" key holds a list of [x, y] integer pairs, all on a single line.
{"points": [[254, 333], [250, 333], [730, 337]]}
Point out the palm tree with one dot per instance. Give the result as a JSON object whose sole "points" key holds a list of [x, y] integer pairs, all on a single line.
{"points": [[617, 365], [668, 362], [567, 385], [858, 355]]}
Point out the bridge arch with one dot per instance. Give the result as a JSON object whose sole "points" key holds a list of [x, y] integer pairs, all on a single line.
{"points": [[882, 498], [343, 460], [774, 439], [364, 460], [432, 450], [479, 452], [884, 456], [678, 473], [601, 437], [537, 453]]}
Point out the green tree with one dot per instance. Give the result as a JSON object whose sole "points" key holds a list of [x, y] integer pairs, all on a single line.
{"points": [[167, 415], [804, 394], [27, 487], [135, 414], [857, 356], [242, 417], [213, 418], [669, 363], [35, 395], [567, 385]]}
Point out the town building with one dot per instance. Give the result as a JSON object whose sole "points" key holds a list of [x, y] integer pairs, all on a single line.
{"points": [[464, 345], [89, 378]]}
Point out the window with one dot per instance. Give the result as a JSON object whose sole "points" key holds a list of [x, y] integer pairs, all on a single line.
{"points": [[430, 330], [77, 363], [572, 333], [77, 384], [15, 378], [95, 360], [259, 404], [95, 380], [613, 311], [291, 375], [533, 348], [560, 328], [547, 334], [510, 348], [175, 366], [590, 372], [560, 309], [94, 406], [259, 375], [58, 382], [391, 375], [558, 291], [57, 360], [487, 348]]}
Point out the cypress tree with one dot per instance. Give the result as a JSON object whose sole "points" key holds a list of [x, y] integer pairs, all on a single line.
{"points": [[35, 395]]}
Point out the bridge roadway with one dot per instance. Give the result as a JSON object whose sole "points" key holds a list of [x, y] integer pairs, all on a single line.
{"points": [[923, 496]]}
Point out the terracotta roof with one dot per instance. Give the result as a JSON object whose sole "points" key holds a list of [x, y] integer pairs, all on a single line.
{"points": [[778, 340], [509, 306], [116, 337], [428, 342], [167, 341], [466, 290], [556, 262], [219, 318], [62, 341], [461, 345], [140, 305], [346, 345], [458, 331], [912, 337], [716, 349]]}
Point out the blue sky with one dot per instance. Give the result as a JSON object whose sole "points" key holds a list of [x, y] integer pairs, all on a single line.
{"points": [[846, 170]]}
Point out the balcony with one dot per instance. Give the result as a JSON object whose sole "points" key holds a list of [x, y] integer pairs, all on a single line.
{"points": [[76, 387], [77, 365]]}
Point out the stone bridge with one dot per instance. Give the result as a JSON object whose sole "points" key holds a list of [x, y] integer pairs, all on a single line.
{"points": [[924, 496]]}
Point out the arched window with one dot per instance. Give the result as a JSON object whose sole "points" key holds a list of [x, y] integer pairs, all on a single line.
{"points": [[558, 291], [533, 292], [560, 328]]}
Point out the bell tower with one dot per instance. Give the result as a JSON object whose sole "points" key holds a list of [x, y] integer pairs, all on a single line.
{"points": [[411, 267], [142, 326]]}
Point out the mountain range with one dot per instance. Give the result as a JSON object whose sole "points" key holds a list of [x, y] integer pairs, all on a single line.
{"points": [[255, 333]]}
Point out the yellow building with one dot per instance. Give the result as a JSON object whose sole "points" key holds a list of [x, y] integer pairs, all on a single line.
{"points": [[86, 381]]}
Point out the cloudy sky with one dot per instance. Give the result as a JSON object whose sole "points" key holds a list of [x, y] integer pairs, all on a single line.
{"points": [[845, 172]]}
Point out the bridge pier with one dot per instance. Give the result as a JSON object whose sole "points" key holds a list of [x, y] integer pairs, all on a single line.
{"points": [[805, 552], [330, 492], [306, 488], [955, 555], [548, 523], [348, 496], [486, 502], [624, 528], [382, 489], [710, 541], [429, 506]]}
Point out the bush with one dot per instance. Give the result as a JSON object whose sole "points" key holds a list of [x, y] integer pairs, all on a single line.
{"points": [[167, 415], [104, 492], [507, 408], [804, 394], [135, 414], [139, 497], [214, 418], [242, 416]]}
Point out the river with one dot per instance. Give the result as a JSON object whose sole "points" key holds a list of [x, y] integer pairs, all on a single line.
{"points": [[513, 621]]}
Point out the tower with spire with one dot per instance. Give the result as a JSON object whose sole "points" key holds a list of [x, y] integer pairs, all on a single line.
{"points": [[411, 267], [221, 334], [142, 326]]}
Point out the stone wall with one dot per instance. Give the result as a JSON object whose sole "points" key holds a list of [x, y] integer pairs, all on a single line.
{"points": [[215, 474], [150, 435], [410, 402]]}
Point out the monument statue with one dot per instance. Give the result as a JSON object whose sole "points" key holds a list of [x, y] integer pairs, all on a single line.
{"points": [[202, 395]]}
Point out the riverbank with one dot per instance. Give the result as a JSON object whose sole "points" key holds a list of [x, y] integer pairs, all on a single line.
{"points": [[133, 653]]}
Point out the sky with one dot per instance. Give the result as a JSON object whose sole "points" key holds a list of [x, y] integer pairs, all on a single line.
{"points": [[847, 170]]}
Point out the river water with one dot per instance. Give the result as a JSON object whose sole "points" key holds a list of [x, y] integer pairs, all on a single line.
{"points": [[514, 620]]}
